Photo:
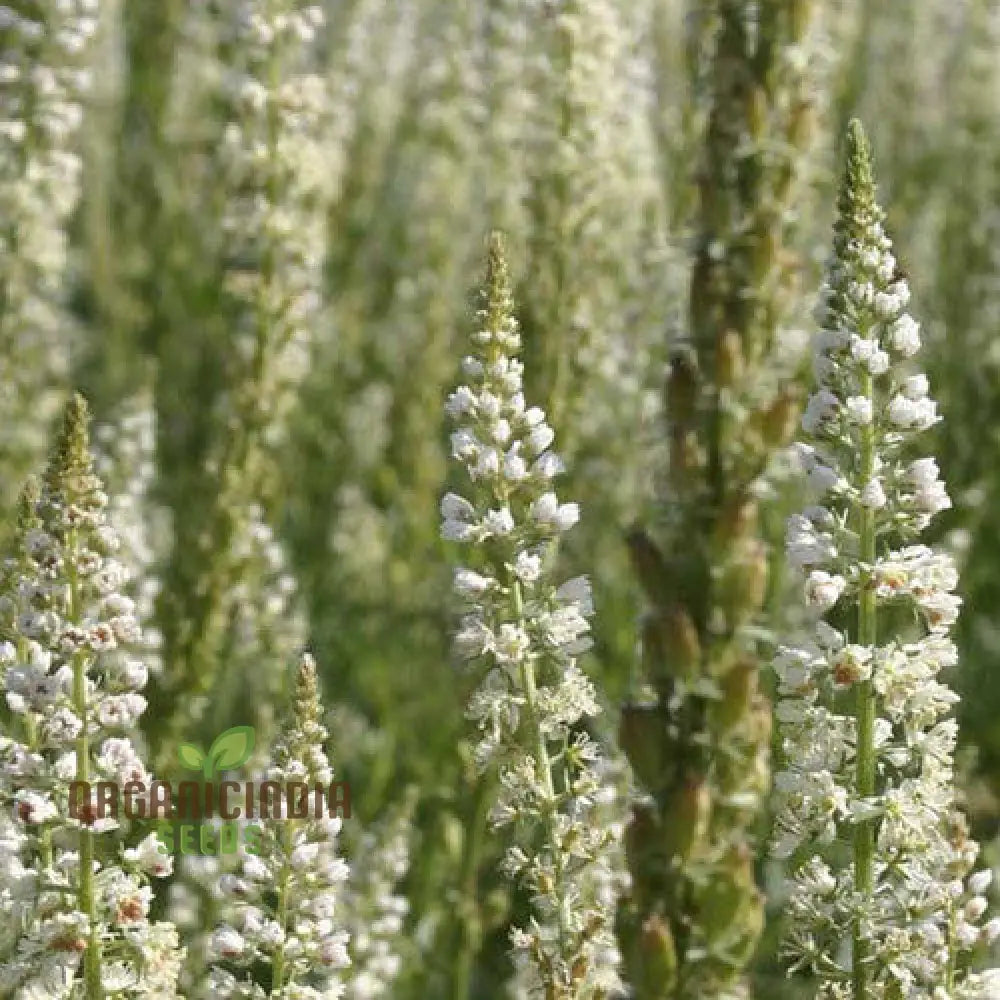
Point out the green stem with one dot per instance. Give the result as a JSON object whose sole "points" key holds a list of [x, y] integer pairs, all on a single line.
{"points": [[470, 925], [864, 834], [278, 964], [543, 768], [949, 975], [33, 739], [195, 659], [93, 988]]}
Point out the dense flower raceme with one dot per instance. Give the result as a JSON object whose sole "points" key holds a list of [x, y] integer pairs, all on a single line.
{"points": [[72, 918], [285, 911], [125, 461], [374, 907], [275, 188], [867, 741], [276, 179], [523, 633], [44, 81]]}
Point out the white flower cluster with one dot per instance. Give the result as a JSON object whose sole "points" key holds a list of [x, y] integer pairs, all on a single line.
{"points": [[523, 633], [866, 739], [376, 910], [44, 81], [265, 624], [73, 693], [274, 164], [285, 895], [125, 461]]}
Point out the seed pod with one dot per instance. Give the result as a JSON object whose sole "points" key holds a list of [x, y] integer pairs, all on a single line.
{"points": [[726, 902], [779, 420], [452, 836], [743, 584], [702, 278], [729, 361], [737, 521], [649, 566], [685, 457], [765, 251], [757, 107], [799, 15], [671, 647], [739, 693], [641, 733], [641, 836], [800, 124], [682, 387], [659, 959], [687, 817], [495, 909]]}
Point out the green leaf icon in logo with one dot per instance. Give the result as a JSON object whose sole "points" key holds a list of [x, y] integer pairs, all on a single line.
{"points": [[191, 756], [230, 749]]}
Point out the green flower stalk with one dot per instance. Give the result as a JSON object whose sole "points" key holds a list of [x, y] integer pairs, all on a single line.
{"points": [[962, 261], [271, 161], [697, 731]]}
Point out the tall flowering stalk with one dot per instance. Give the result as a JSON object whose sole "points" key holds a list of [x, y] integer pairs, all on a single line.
{"points": [[697, 728], [866, 738], [44, 81], [285, 914], [125, 459], [275, 186], [75, 921], [375, 908], [521, 633]]}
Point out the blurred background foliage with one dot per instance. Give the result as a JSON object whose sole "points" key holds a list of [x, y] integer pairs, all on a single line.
{"points": [[579, 128]]}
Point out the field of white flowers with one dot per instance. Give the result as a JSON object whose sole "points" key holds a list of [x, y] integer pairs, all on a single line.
{"points": [[499, 499]]}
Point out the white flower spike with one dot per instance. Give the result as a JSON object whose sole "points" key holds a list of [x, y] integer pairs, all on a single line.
{"points": [[866, 738], [522, 632]]}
